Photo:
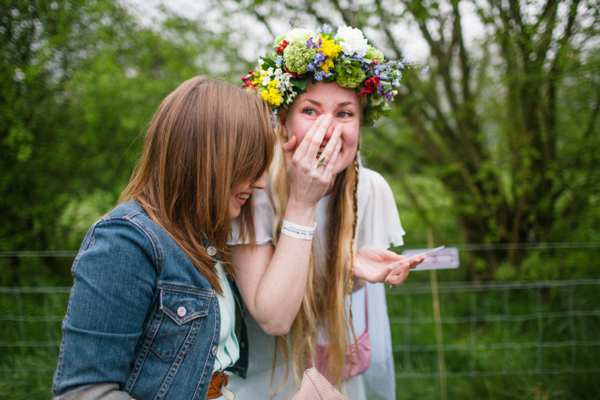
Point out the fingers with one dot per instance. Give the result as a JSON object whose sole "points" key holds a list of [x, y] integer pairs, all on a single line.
{"points": [[371, 273], [334, 156], [288, 149], [396, 280], [416, 261], [397, 262], [335, 137], [399, 273], [381, 276], [404, 265], [315, 143], [314, 137]]}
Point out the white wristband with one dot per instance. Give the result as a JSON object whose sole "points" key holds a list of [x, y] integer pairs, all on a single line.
{"points": [[298, 231]]}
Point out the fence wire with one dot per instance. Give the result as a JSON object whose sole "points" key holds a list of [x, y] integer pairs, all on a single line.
{"points": [[530, 328], [497, 329]]}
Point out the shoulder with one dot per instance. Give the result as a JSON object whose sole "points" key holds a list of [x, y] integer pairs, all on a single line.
{"points": [[372, 183], [130, 211], [378, 212], [124, 228], [373, 178]]}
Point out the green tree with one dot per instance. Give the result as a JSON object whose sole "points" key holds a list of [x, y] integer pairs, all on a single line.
{"points": [[80, 79], [507, 121]]}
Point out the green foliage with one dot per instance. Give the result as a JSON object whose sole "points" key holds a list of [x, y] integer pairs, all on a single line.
{"points": [[27, 371], [507, 122], [80, 82], [478, 365], [498, 143]]}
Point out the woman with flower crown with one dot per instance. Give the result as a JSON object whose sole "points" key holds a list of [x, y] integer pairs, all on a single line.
{"points": [[333, 79]]}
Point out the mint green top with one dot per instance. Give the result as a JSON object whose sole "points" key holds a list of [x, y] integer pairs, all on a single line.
{"points": [[228, 351]]}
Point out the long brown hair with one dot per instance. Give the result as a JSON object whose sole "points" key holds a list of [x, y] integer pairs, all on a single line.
{"points": [[324, 301], [206, 137]]}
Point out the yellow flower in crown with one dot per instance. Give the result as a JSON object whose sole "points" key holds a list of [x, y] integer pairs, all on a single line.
{"points": [[327, 65], [271, 95], [343, 56], [329, 48]]}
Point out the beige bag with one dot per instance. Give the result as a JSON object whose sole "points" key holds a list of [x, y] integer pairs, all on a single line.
{"points": [[314, 386]]}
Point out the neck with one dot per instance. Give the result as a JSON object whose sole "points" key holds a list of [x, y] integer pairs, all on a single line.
{"points": [[331, 184]]}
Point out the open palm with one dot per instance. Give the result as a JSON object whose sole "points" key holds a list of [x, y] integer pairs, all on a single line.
{"points": [[372, 264]]}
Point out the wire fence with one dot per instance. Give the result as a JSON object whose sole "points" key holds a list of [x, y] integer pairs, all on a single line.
{"points": [[489, 329], [498, 329], [536, 338]]}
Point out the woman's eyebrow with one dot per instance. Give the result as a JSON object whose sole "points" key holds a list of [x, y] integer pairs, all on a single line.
{"points": [[342, 104], [316, 103]]}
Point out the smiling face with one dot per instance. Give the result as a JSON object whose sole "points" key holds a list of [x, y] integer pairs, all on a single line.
{"points": [[327, 98], [241, 192]]}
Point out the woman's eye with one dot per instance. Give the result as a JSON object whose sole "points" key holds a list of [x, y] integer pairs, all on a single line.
{"points": [[345, 114], [309, 111]]}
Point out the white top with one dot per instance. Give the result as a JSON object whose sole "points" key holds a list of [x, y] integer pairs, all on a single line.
{"points": [[378, 225], [228, 350]]}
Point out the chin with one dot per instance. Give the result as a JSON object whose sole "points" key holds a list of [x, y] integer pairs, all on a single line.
{"points": [[234, 213], [342, 167]]}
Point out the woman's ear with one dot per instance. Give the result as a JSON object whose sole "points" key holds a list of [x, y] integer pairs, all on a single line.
{"points": [[281, 116]]}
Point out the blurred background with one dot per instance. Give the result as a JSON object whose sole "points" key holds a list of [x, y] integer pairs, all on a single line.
{"points": [[495, 151]]}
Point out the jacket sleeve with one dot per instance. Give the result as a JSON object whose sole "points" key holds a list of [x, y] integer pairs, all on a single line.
{"points": [[98, 391], [115, 277]]}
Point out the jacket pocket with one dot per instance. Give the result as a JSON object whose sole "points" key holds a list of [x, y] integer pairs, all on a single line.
{"points": [[179, 317]]}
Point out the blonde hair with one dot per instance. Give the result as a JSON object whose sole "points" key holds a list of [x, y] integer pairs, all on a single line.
{"points": [[324, 300], [205, 138]]}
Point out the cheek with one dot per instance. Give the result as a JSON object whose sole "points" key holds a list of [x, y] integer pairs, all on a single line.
{"points": [[350, 138], [298, 127]]}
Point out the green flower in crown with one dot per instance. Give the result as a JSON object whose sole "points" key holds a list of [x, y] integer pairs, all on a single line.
{"points": [[344, 57]]}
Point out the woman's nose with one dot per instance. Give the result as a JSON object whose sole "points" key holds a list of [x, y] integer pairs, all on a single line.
{"points": [[330, 129]]}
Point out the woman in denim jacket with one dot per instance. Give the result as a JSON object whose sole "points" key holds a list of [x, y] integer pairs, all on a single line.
{"points": [[154, 311]]}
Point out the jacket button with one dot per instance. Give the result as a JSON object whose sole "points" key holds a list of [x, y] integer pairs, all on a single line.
{"points": [[181, 311], [214, 351], [211, 251]]}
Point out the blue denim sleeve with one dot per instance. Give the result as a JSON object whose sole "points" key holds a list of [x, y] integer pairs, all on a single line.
{"points": [[115, 277]]}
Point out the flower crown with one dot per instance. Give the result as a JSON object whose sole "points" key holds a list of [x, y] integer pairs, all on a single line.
{"points": [[344, 57]]}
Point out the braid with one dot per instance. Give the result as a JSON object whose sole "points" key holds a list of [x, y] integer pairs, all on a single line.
{"points": [[354, 221], [353, 242]]}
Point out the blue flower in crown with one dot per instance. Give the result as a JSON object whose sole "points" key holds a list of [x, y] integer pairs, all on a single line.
{"points": [[343, 56]]}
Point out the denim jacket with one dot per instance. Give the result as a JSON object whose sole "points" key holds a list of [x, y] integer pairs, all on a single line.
{"points": [[140, 314]]}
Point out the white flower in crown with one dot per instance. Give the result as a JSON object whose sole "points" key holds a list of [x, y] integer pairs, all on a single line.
{"points": [[352, 40], [298, 34]]}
